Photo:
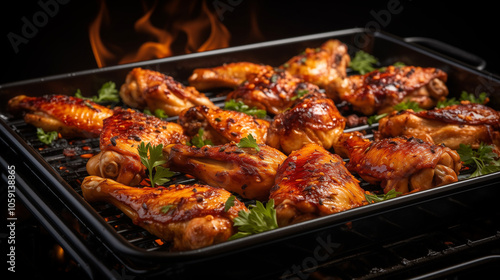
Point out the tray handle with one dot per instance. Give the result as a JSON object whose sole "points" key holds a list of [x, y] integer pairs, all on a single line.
{"points": [[450, 50]]}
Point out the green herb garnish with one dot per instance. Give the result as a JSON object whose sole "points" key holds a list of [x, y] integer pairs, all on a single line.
{"points": [[166, 208], [258, 219], [464, 96], [239, 106], [46, 137], [107, 93], [398, 107], [363, 62], [372, 198], [159, 113], [229, 203], [158, 175], [483, 159], [300, 93], [248, 142], [198, 140]]}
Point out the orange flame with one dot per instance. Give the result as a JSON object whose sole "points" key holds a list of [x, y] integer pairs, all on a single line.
{"points": [[200, 28]]}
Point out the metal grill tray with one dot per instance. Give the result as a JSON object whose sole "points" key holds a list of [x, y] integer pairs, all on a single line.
{"points": [[386, 47]]}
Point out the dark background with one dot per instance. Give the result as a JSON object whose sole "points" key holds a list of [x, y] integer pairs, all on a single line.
{"points": [[62, 44]]}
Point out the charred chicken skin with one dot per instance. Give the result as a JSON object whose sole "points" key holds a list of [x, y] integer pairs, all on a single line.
{"points": [[467, 123], [191, 217], [311, 183], [145, 88], [122, 133], [222, 126], [228, 75], [400, 163], [313, 119], [70, 116], [273, 91], [323, 66], [379, 90], [245, 171]]}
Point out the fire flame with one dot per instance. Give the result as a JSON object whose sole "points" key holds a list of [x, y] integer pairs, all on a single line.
{"points": [[198, 27]]}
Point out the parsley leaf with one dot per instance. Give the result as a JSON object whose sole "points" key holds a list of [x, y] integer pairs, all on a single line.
{"points": [[483, 159], [198, 141], [398, 107], [363, 62], [300, 93], [464, 96], [248, 142], [107, 93], [239, 106], [159, 113], [260, 218], [229, 203], [153, 161], [46, 137], [166, 208], [372, 198]]}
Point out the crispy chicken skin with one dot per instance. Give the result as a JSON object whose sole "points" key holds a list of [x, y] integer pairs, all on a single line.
{"points": [[122, 133], [322, 66], [400, 163], [311, 183], [229, 75], [241, 170], [379, 90], [154, 90], [190, 217], [68, 115], [314, 118], [222, 126], [467, 123], [273, 91]]}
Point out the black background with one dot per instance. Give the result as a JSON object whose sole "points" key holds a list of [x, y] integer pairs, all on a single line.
{"points": [[62, 44]]}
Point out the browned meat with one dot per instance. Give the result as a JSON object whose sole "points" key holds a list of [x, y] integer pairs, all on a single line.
{"points": [[222, 126], [379, 90], [468, 124], [70, 116], [245, 171], [323, 66], [313, 119], [151, 89], [191, 217], [311, 183], [400, 163], [122, 133]]}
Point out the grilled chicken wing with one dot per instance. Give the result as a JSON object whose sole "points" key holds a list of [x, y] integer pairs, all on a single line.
{"points": [[311, 183], [273, 91], [467, 123], [323, 66], [70, 116], [154, 90], [190, 217], [229, 75], [400, 163], [245, 171], [222, 126], [313, 119], [122, 133], [379, 90]]}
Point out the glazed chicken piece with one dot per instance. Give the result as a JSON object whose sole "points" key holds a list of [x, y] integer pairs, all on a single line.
{"points": [[323, 66], [122, 133], [273, 91], [70, 116], [311, 183], [145, 88], [228, 75], [245, 171], [466, 123], [314, 118], [399, 163], [378, 91], [191, 217], [222, 126]]}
